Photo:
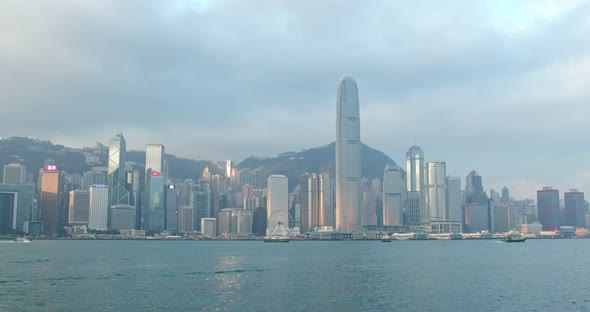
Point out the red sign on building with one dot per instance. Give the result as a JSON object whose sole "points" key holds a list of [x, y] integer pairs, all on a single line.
{"points": [[155, 174], [51, 167]]}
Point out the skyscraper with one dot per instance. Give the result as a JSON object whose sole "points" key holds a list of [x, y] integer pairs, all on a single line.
{"points": [[348, 157], [309, 202], [392, 196], [185, 219], [241, 223], [369, 209], [434, 192], [228, 168], [200, 200], [154, 158], [93, 178], [51, 201], [171, 208], [79, 209], [414, 165], [117, 177], [259, 178], [209, 227], [16, 203], [154, 206], [548, 207], [277, 201], [506, 218], [505, 195], [14, 174], [574, 208], [454, 200], [326, 199], [474, 192], [99, 207], [316, 201]]}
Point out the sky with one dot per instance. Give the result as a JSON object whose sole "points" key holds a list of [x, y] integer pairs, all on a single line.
{"points": [[502, 87]]}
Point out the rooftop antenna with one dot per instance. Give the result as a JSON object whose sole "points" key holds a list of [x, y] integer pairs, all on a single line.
{"points": [[414, 139]]}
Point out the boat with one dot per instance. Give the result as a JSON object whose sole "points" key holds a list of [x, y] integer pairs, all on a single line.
{"points": [[386, 239], [514, 238], [278, 235], [21, 240], [276, 239]]}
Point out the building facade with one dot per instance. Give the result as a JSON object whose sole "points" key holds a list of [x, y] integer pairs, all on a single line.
{"points": [[16, 203], [434, 192], [574, 208], [393, 204], [454, 200], [99, 207], [548, 208], [414, 166], [171, 208], [79, 208], [209, 227], [348, 157], [277, 201], [117, 175], [14, 174], [154, 206], [52, 209]]}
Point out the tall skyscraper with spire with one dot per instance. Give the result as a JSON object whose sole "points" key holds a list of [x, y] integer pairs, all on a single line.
{"points": [[117, 177], [414, 164], [348, 157], [414, 176]]}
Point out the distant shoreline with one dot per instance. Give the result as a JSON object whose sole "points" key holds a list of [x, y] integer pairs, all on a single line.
{"points": [[9, 239]]}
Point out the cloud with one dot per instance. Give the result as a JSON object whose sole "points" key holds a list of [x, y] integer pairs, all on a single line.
{"points": [[497, 86]]}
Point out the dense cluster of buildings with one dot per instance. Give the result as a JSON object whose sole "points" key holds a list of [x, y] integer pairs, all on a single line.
{"points": [[129, 197]]}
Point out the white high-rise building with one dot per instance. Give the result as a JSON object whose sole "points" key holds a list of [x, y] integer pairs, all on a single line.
{"points": [[14, 174], [434, 192], [392, 196], [348, 157], [277, 201], [99, 207]]}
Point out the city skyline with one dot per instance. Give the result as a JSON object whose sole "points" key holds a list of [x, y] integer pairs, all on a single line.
{"points": [[489, 99]]}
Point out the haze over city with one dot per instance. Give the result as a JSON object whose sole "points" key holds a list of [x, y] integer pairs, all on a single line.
{"points": [[501, 88]]}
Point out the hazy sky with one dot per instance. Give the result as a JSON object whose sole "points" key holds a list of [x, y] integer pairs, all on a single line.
{"points": [[502, 87]]}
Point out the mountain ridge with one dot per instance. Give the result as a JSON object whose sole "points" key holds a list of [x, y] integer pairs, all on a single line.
{"points": [[33, 153]]}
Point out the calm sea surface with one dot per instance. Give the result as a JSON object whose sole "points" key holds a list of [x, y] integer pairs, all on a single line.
{"points": [[539, 275]]}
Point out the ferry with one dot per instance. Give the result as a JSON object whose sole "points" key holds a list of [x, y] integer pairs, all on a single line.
{"points": [[276, 239], [514, 238], [279, 235], [22, 240], [386, 239]]}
